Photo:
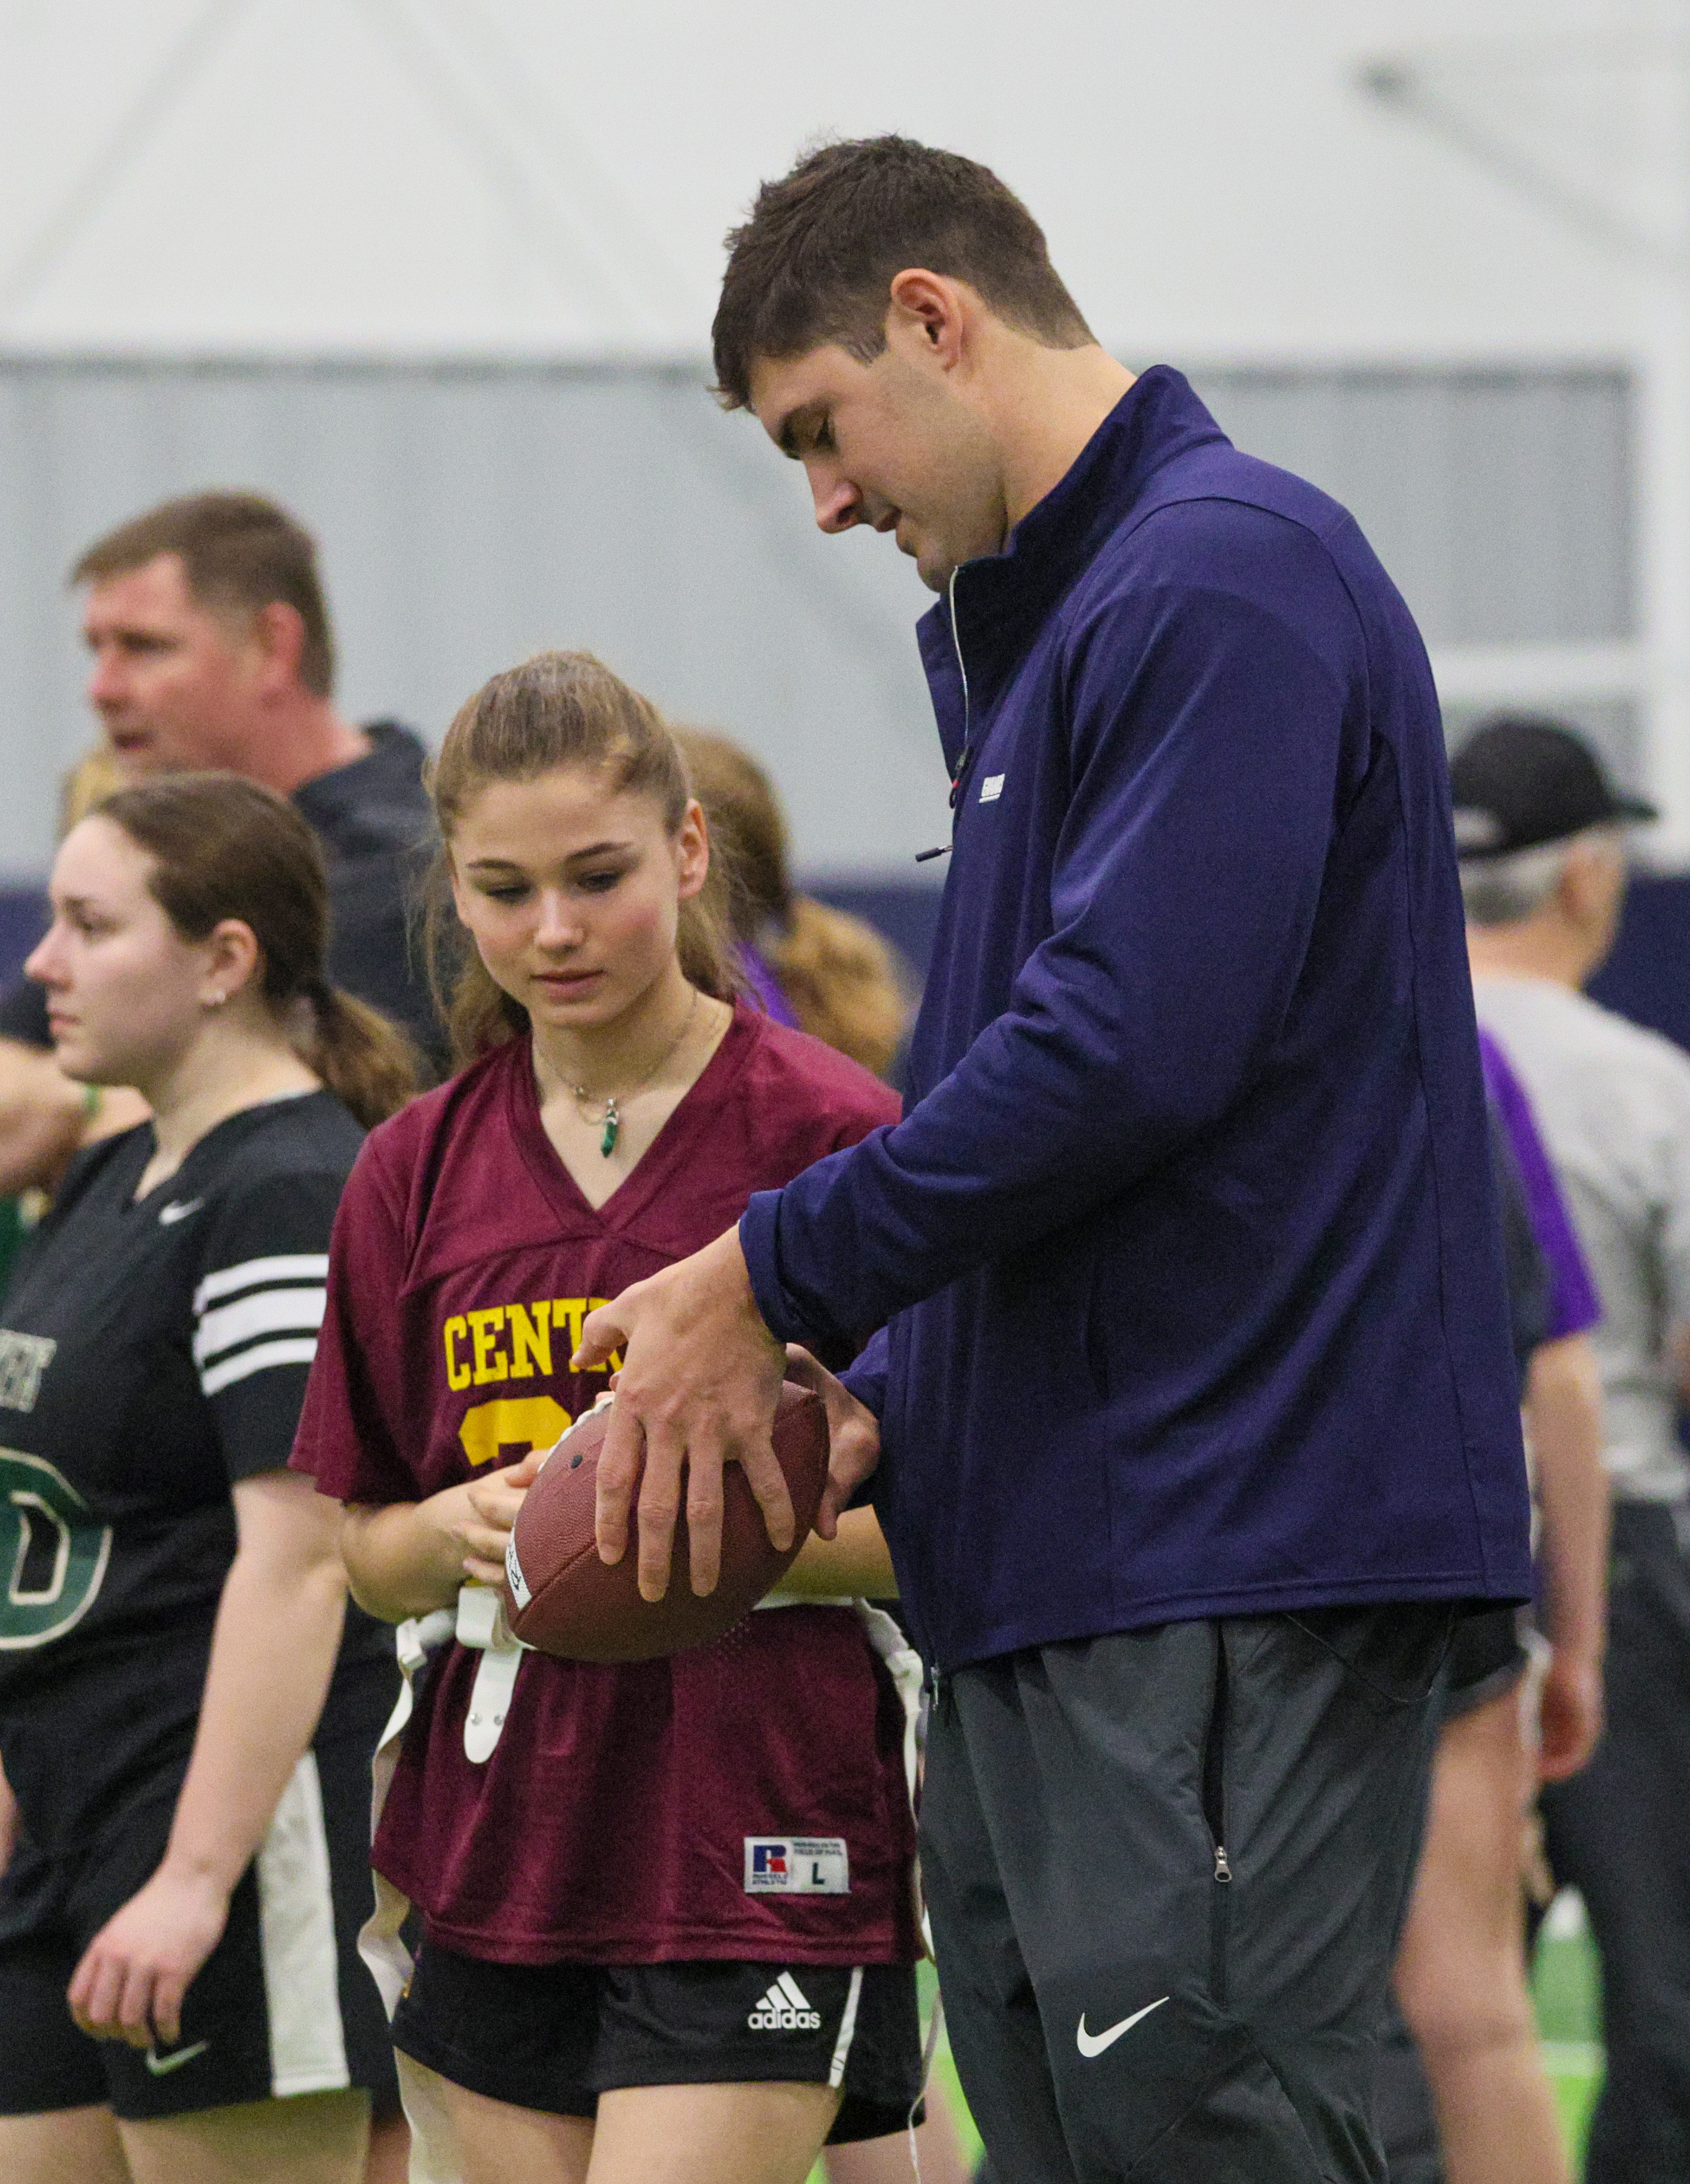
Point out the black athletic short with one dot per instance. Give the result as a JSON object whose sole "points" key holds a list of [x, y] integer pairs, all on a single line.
{"points": [[555, 2036], [1486, 1658], [284, 2004]]}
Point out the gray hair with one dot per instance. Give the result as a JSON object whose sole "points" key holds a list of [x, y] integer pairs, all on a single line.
{"points": [[1507, 890]]}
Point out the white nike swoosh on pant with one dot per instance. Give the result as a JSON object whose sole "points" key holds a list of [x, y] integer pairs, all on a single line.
{"points": [[1093, 2043], [160, 2064]]}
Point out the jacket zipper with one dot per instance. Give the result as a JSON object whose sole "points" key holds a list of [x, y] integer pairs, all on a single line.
{"points": [[962, 669], [1215, 1812], [943, 849]]}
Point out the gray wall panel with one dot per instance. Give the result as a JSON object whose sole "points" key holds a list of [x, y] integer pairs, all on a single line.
{"points": [[1500, 501], [470, 514]]}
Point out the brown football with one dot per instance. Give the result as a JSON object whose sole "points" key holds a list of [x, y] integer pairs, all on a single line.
{"points": [[561, 1599]]}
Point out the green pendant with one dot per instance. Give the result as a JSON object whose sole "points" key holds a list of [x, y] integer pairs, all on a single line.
{"points": [[613, 1124]]}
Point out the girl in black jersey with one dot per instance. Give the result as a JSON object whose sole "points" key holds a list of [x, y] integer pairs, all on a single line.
{"points": [[187, 1821]]}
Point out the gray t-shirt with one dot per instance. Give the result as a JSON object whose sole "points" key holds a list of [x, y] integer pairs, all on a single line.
{"points": [[1612, 1105]]}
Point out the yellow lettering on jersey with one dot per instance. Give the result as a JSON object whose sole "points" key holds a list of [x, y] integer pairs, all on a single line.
{"points": [[456, 1329], [530, 1340], [520, 1422], [484, 1326]]}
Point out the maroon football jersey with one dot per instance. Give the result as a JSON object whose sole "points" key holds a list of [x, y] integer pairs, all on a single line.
{"points": [[744, 1799]]}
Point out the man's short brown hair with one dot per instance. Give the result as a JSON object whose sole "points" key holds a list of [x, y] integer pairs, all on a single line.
{"points": [[238, 552], [816, 259]]}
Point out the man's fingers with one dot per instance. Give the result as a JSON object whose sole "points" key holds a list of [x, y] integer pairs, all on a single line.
{"points": [[620, 1458], [603, 1333], [660, 1507], [704, 1518], [768, 1483], [833, 1501]]}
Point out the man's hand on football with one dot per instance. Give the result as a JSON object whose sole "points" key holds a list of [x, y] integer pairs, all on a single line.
{"points": [[853, 1436], [699, 1383]]}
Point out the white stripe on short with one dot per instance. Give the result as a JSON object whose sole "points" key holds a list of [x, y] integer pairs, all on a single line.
{"points": [[265, 1312], [847, 2027], [296, 1927], [288, 1266], [263, 1354]]}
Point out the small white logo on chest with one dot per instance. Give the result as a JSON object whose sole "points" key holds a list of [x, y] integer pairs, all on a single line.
{"points": [[992, 789], [179, 1210]]}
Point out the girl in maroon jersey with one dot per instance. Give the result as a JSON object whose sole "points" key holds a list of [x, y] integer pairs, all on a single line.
{"points": [[627, 1970]]}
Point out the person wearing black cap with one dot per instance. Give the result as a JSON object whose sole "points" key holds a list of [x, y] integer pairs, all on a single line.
{"points": [[1543, 873]]}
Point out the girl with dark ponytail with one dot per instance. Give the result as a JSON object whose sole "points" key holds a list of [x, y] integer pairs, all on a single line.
{"points": [[187, 1717]]}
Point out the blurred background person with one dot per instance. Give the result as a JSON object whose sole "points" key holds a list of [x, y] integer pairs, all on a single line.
{"points": [[186, 1715], [1461, 1967], [828, 973], [811, 966], [212, 647], [1543, 873]]}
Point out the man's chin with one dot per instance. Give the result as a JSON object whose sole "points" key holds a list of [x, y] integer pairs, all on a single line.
{"points": [[134, 760]]}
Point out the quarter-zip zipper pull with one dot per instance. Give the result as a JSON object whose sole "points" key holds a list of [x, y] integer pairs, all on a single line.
{"points": [[1222, 1870], [962, 673]]}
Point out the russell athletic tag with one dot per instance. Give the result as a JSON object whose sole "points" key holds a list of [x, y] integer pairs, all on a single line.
{"points": [[797, 1865]]}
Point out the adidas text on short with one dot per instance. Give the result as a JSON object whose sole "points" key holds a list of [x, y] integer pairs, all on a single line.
{"points": [[785, 2008]]}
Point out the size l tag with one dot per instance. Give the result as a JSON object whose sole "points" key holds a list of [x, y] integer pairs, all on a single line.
{"points": [[797, 1865]]}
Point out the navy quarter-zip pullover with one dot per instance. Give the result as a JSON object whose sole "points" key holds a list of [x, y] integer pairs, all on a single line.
{"points": [[1185, 1253]]}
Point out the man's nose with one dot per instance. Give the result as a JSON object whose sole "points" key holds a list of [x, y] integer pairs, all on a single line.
{"points": [[105, 679], [838, 504]]}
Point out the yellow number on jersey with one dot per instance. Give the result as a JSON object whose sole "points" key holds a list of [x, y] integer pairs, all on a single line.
{"points": [[514, 1421]]}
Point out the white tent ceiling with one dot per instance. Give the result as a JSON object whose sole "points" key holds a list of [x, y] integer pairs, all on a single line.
{"points": [[409, 176]]}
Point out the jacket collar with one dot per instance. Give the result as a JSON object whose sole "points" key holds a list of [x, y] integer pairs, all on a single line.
{"points": [[1002, 601]]}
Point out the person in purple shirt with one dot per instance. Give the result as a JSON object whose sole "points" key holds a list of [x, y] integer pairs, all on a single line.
{"points": [[1461, 1969]]}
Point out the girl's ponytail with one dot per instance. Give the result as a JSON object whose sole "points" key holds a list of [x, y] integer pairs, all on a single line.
{"points": [[366, 1061]]}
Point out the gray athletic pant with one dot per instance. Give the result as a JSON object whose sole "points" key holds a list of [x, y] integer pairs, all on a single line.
{"points": [[1619, 1833], [1166, 1871]]}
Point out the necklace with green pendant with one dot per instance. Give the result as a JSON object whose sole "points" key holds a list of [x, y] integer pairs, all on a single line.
{"points": [[611, 1105]]}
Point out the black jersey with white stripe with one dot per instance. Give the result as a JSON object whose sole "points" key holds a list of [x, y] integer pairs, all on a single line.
{"points": [[153, 1352]]}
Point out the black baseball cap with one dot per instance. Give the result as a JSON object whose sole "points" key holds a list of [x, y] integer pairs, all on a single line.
{"points": [[1521, 780]]}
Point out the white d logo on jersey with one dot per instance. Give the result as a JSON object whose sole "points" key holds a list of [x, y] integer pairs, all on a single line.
{"points": [[53, 1558]]}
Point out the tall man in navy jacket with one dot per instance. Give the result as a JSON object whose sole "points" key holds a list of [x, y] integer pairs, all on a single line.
{"points": [[1189, 1379]]}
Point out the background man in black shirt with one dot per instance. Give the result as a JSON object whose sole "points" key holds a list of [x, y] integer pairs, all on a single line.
{"points": [[211, 646]]}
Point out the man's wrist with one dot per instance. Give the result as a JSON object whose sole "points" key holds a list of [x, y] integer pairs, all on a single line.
{"points": [[735, 1263]]}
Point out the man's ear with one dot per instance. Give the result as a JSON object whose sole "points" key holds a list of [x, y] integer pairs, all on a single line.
{"points": [[1587, 881], [933, 310], [279, 633]]}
